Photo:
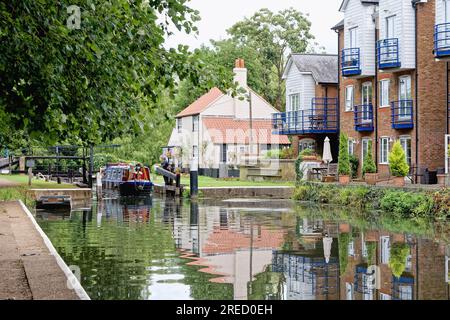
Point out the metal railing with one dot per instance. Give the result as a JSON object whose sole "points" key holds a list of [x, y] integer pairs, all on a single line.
{"points": [[323, 117], [388, 53], [363, 115], [402, 114], [351, 62], [442, 40]]}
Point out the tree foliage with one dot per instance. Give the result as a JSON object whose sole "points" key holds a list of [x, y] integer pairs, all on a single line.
{"points": [[397, 161], [344, 160], [369, 164], [87, 85]]}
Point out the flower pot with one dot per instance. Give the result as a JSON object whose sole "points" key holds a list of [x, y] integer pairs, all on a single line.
{"points": [[371, 178], [344, 228], [309, 158], [399, 181], [328, 179], [398, 238], [441, 179], [371, 236], [344, 179]]}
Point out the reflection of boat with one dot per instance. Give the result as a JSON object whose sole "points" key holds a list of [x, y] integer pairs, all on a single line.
{"points": [[130, 180]]}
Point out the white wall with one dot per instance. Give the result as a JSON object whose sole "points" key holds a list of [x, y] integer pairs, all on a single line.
{"points": [[404, 28], [302, 83], [360, 16], [440, 13]]}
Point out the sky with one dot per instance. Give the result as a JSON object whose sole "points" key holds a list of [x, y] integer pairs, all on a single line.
{"points": [[218, 15]]}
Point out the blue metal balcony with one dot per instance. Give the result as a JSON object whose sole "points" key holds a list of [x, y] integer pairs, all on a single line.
{"points": [[364, 117], [402, 114], [351, 62], [388, 54], [323, 117], [402, 288], [442, 40]]}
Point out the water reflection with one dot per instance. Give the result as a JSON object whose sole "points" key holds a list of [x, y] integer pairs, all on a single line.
{"points": [[172, 249]]}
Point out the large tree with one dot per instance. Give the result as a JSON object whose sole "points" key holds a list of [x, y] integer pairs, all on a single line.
{"points": [[89, 84], [275, 36]]}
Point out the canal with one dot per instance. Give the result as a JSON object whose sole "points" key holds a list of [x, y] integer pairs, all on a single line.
{"points": [[158, 248]]}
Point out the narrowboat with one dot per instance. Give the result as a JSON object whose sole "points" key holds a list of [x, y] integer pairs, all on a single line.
{"points": [[128, 179]]}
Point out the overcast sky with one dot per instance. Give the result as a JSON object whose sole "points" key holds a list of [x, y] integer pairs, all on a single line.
{"points": [[218, 15]]}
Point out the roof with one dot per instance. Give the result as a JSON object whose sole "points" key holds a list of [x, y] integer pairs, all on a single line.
{"points": [[345, 2], [201, 103], [339, 25], [224, 130], [324, 67]]}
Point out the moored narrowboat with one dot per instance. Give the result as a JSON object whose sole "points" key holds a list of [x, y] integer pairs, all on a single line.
{"points": [[128, 179]]}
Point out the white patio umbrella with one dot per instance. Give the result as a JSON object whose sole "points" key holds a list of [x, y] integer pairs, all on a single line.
{"points": [[327, 157], [327, 241]]}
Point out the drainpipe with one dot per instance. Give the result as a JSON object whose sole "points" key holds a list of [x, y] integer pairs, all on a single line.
{"points": [[416, 86]]}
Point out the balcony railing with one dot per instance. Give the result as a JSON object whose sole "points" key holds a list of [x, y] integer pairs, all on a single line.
{"points": [[388, 54], [442, 40], [321, 118], [364, 117], [351, 62], [402, 114]]}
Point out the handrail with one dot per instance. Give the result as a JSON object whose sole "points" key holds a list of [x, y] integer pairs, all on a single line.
{"points": [[388, 53], [442, 39], [402, 114], [363, 117], [351, 61]]}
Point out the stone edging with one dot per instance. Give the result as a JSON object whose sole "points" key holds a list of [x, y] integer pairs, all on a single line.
{"points": [[79, 290]]}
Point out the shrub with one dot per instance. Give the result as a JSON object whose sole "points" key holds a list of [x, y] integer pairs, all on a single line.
{"points": [[397, 259], [287, 153], [354, 165], [369, 165], [406, 204], [397, 161], [298, 172], [371, 252], [344, 160]]}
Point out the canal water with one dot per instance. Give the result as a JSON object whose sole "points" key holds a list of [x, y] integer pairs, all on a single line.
{"points": [[156, 248]]}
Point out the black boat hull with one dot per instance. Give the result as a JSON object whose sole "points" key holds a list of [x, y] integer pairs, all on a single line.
{"points": [[135, 188]]}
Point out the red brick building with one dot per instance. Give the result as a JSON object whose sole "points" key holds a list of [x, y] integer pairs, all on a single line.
{"points": [[393, 79]]}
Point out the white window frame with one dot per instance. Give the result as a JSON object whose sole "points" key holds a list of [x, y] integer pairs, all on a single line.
{"points": [[366, 100], [349, 290], [351, 146], [390, 22], [294, 102], [403, 141], [446, 11], [404, 93], [307, 143], [364, 145], [353, 37], [349, 103], [351, 248], [195, 122], [385, 296], [384, 96], [385, 249], [384, 150]]}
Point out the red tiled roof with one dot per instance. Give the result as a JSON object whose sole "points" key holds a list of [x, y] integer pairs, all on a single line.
{"points": [[201, 103], [231, 131]]}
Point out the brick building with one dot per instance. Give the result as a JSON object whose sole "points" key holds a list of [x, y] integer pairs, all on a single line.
{"points": [[393, 79]]}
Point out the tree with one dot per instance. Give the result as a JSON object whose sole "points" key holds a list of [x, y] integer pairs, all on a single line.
{"points": [[344, 160], [397, 161], [369, 164], [274, 36], [87, 85]]}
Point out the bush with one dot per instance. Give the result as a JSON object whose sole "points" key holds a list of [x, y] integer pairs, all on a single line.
{"points": [[369, 165], [406, 204], [287, 153], [397, 259], [397, 161], [102, 159], [354, 165], [344, 160]]}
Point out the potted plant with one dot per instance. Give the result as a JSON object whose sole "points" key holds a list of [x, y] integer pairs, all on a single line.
{"points": [[354, 165], [344, 160], [398, 165], [308, 155], [369, 168]]}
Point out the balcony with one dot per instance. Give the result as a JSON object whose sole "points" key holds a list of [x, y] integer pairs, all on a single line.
{"points": [[351, 62], [442, 40], [402, 114], [321, 118], [364, 118], [388, 54]]}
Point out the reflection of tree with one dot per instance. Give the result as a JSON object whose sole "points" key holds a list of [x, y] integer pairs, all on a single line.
{"points": [[343, 242], [266, 286]]}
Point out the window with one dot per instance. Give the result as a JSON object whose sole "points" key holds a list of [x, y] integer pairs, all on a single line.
{"points": [[365, 253], [384, 296], [353, 33], [179, 125], [365, 148], [390, 27], [294, 102], [306, 144], [366, 101], [447, 11], [384, 150], [384, 93], [405, 95], [195, 123], [223, 153], [195, 152], [405, 141], [405, 292], [351, 146], [385, 249], [351, 248], [349, 290], [349, 98]]}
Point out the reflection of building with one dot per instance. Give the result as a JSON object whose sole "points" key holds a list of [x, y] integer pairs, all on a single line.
{"points": [[422, 269]]}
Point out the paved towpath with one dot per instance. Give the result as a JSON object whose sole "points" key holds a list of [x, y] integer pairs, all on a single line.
{"points": [[28, 269]]}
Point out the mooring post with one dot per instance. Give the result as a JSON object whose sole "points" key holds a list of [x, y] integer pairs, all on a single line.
{"points": [[194, 178], [91, 165]]}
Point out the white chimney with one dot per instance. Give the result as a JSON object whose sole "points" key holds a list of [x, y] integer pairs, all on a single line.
{"points": [[240, 73]]}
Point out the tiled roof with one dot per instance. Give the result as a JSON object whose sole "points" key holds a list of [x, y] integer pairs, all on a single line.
{"points": [[324, 67], [201, 103], [339, 25], [233, 131]]}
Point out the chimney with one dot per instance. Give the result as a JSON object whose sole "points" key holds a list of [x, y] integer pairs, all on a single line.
{"points": [[240, 73]]}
